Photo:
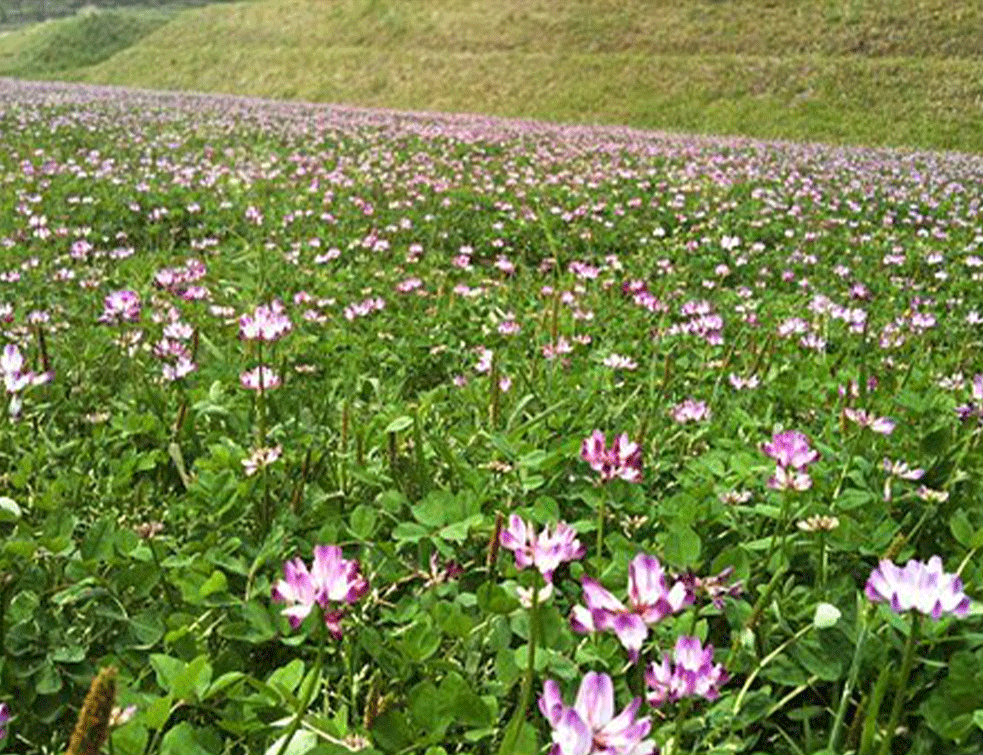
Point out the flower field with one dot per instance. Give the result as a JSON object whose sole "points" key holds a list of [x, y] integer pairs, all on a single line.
{"points": [[332, 430]]}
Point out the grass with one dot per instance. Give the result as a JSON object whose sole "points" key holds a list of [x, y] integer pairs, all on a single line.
{"points": [[68, 45], [886, 72]]}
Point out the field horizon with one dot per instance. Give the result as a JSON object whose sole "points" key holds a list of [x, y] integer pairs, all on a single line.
{"points": [[892, 73]]}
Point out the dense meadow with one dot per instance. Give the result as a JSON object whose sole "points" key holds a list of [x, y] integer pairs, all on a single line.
{"points": [[332, 430]]}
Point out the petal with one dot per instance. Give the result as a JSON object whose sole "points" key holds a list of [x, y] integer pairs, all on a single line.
{"points": [[597, 597], [572, 735], [631, 631], [595, 700]]}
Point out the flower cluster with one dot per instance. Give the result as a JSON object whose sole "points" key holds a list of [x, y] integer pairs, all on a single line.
{"points": [[16, 378], [266, 323], [589, 725], [918, 587], [650, 600], [545, 551], [260, 378], [120, 307], [973, 409], [690, 410], [330, 580], [882, 425], [793, 455], [260, 458], [691, 672], [623, 459]]}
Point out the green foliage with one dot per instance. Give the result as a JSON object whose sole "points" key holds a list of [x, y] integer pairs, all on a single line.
{"points": [[140, 527]]}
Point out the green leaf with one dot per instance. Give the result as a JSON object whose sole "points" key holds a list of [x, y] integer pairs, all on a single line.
{"points": [[420, 641], [99, 540], [217, 582], [409, 532], [167, 669], [289, 676], [155, 715], [194, 680], [399, 424], [961, 529], [362, 522], [303, 742], [47, 681], [183, 739], [492, 598], [391, 730], [682, 546]]}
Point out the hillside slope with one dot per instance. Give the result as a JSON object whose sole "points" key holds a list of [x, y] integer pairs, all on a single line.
{"points": [[897, 72]]}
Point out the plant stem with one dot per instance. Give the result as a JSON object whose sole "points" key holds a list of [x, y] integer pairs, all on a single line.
{"points": [[848, 685], [899, 693], [520, 712], [600, 532], [313, 685]]}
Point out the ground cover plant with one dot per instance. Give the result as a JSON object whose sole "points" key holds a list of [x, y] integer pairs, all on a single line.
{"points": [[335, 430]]}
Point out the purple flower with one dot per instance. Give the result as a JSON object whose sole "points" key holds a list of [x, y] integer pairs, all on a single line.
{"points": [[882, 425], [623, 459], [690, 673], [918, 587], [546, 551], [589, 725], [119, 307], [650, 599], [791, 450], [793, 454], [260, 377], [690, 411], [331, 580], [4, 718], [266, 323]]}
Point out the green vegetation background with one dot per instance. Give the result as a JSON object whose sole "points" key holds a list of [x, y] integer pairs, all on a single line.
{"points": [[878, 72]]}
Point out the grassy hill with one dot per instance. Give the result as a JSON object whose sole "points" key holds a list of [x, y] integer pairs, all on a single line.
{"points": [[894, 72]]}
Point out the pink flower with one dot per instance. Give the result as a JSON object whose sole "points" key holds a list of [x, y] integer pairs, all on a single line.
{"points": [[690, 411], [650, 600], [119, 307], [546, 551], [331, 580], [791, 450], [589, 725], [266, 323], [918, 587], [882, 425], [789, 478], [691, 673], [260, 458], [623, 459], [261, 376]]}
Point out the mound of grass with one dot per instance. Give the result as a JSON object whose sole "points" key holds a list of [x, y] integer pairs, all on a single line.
{"points": [[883, 72], [64, 46]]}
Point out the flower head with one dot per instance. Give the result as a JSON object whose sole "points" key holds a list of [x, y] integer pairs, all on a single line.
{"points": [[623, 459], [119, 307], [918, 587], [589, 725], [260, 378], [545, 551], [691, 672], [650, 600], [690, 410], [260, 458], [266, 323], [330, 580], [791, 450]]}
